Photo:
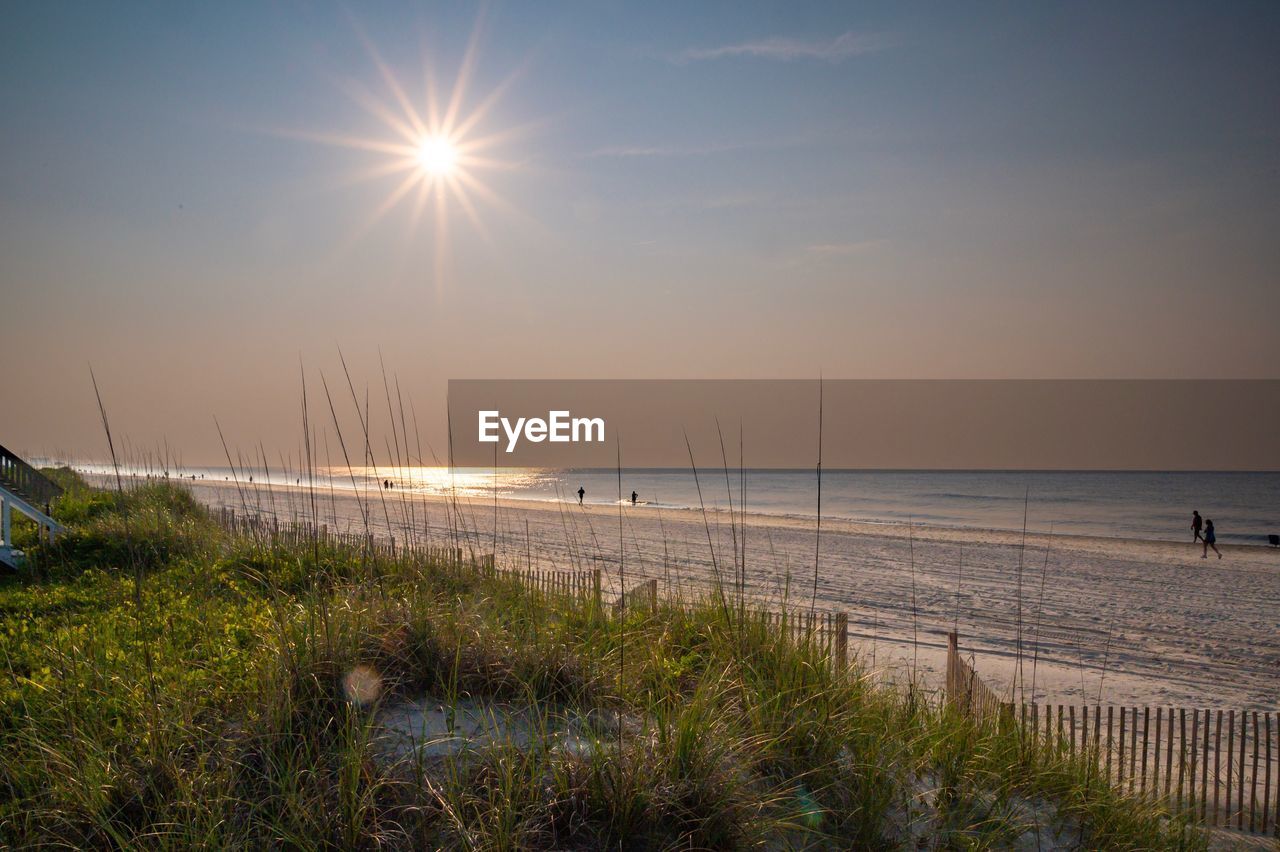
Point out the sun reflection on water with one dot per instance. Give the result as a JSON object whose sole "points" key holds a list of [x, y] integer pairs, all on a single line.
{"points": [[444, 481]]}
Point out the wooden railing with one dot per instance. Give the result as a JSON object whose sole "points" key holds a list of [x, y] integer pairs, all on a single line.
{"points": [[25, 481], [1218, 767]]}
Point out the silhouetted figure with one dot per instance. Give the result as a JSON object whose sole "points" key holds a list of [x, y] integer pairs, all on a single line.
{"points": [[582, 492], [1210, 540], [633, 498], [1196, 524], [386, 483]]}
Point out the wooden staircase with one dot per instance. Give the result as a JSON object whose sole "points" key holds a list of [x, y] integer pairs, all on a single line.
{"points": [[24, 488]]}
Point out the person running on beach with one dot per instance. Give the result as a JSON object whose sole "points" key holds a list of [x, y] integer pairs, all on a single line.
{"points": [[634, 495], [1196, 523], [582, 492], [1210, 540]]}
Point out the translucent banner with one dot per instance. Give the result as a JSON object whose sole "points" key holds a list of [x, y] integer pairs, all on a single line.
{"points": [[922, 425]]}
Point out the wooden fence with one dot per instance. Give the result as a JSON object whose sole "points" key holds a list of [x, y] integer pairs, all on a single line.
{"points": [[966, 690], [1218, 767], [644, 595], [828, 632]]}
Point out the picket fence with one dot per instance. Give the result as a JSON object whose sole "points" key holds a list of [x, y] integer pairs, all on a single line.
{"points": [[1174, 754], [825, 632]]}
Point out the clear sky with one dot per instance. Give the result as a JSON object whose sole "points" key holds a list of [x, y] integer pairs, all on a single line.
{"points": [[663, 191]]}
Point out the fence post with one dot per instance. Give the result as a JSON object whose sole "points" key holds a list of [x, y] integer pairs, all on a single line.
{"points": [[1192, 801], [1253, 784], [842, 640], [1182, 753], [953, 644], [1007, 719], [595, 586], [1110, 738], [1244, 732], [1120, 753], [1266, 790], [1231, 750], [1204, 772]]}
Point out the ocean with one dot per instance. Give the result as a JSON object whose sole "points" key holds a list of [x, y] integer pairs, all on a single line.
{"points": [[1156, 506]]}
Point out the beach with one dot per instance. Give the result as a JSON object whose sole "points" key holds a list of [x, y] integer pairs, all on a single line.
{"points": [[1049, 618]]}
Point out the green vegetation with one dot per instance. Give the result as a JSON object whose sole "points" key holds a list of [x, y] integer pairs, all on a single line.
{"points": [[165, 684]]}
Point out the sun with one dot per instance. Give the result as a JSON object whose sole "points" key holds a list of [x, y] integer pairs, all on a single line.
{"points": [[431, 151], [437, 157]]}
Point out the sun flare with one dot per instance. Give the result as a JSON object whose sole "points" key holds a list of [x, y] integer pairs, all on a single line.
{"points": [[431, 151]]}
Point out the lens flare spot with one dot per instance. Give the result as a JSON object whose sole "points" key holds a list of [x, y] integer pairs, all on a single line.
{"points": [[362, 685]]}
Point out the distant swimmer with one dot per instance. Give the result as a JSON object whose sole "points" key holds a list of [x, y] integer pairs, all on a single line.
{"points": [[582, 492], [634, 495], [1210, 540], [1196, 523]]}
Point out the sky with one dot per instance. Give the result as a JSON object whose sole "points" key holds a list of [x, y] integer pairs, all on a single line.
{"points": [[716, 190]]}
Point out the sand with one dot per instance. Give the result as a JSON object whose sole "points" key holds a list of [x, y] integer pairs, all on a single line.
{"points": [[1118, 621]]}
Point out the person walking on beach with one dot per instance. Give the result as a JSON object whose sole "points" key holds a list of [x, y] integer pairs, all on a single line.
{"points": [[1196, 523], [634, 495], [1210, 540], [582, 492]]}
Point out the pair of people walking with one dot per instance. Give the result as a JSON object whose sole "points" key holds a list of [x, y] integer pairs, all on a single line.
{"points": [[1202, 531], [582, 492]]}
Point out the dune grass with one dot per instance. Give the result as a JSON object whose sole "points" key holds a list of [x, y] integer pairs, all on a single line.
{"points": [[165, 684]]}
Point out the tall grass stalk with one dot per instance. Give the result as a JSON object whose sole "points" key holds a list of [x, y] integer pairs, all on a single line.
{"points": [[817, 538]]}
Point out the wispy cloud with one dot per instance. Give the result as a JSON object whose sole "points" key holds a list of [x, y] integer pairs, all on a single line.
{"points": [[672, 150], [843, 248], [786, 49], [698, 150]]}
